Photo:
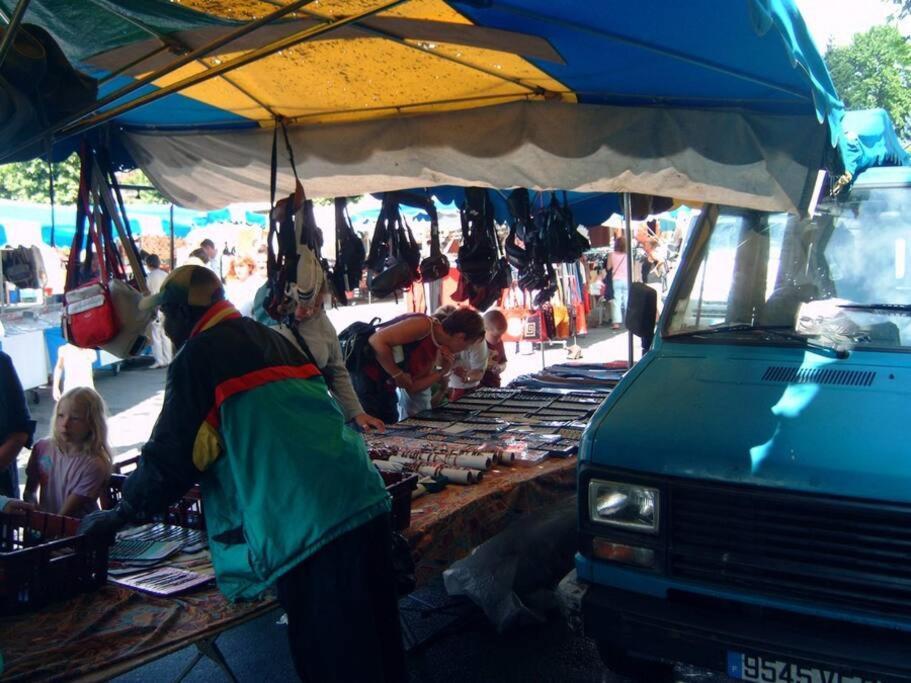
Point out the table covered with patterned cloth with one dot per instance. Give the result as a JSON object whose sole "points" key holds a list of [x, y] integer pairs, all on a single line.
{"points": [[102, 634]]}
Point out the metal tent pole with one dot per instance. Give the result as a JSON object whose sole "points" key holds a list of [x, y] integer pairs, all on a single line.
{"points": [[627, 222], [173, 258], [9, 34]]}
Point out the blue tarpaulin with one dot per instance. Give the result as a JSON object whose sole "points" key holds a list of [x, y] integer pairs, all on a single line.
{"points": [[869, 140]]}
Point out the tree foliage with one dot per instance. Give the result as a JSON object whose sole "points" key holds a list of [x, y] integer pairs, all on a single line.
{"points": [[904, 7], [29, 181], [875, 71]]}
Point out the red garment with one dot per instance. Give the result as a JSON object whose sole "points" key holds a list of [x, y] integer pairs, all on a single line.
{"points": [[496, 361], [420, 356]]}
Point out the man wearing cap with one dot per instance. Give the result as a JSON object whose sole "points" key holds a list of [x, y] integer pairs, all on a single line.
{"points": [[290, 495]]}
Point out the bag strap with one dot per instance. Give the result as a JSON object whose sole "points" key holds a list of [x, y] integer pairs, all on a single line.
{"points": [[72, 266], [116, 208]]}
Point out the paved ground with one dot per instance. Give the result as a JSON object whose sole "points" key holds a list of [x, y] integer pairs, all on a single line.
{"points": [[462, 645]]}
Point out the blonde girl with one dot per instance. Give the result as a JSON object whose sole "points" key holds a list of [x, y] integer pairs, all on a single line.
{"points": [[72, 466]]}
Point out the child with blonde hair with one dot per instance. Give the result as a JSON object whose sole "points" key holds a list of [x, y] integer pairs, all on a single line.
{"points": [[72, 466]]}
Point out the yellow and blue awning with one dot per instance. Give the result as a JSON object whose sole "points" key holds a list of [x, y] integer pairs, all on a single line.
{"points": [[723, 101]]}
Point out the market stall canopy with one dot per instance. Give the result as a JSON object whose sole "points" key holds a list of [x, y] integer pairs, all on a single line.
{"points": [[145, 219], [704, 100], [869, 140]]}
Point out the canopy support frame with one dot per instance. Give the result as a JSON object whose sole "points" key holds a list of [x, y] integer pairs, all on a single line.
{"points": [[628, 229], [402, 40], [171, 43], [73, 120], [225, 67], [12, 28]]}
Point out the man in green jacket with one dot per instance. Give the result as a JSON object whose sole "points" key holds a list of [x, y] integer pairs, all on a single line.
{"points": [[289, 493]]}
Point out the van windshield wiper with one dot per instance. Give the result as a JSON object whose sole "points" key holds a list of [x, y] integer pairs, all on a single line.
{"points": [[902, 309], [778, 331]]}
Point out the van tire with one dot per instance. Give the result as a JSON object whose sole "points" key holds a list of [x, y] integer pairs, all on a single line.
{"points": [[620, 662]]}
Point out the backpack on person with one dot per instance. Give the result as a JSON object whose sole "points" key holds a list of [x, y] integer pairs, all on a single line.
{"points": [[354, 342]]}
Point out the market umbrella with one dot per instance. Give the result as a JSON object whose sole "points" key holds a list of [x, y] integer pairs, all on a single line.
{"points": [[722, 101]]}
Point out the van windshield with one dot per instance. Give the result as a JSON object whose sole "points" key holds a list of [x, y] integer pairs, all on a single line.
{"points": [[842, 279]]}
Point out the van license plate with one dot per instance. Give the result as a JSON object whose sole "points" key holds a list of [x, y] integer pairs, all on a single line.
{"points": [[744, 667]]}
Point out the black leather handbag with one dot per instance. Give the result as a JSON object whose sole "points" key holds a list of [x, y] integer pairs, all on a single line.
{"points": [[435, 266]]}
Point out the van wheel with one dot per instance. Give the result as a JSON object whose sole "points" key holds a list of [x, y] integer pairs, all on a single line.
{"points": [[619, 661]]}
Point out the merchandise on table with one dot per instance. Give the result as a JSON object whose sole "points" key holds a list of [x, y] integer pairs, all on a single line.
{"points": [[486, 428], [163, 581]]}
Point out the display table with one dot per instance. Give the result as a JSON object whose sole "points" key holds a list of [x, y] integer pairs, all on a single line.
{"points": [[113, 630], [446, 526]]}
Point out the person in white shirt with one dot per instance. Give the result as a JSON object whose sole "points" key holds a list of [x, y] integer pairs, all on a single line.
{"points": [[212, 261], [468, 369], [162, 350], [74, 368]]}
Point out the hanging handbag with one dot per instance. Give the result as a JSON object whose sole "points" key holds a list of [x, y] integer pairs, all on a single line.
{"points": [[281, 255], [89, 317], [349, 251], [478, 257], [547, 321], [400, 267], [515, 316], [435, 266], [534, 327]]}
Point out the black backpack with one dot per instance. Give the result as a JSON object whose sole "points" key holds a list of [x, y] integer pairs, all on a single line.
{"points": [[349, 251], [354, 342], [478, 255], [19, 267], [393, 240]]}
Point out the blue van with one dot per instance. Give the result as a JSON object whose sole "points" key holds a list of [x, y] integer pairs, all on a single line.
{"points": [[745, 492]]}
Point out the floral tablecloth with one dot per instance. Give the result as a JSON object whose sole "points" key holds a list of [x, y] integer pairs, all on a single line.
{"points": [[112, 630]]}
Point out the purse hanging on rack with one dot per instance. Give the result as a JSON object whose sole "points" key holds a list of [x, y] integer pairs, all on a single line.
{"points": [[515, 316], [89, 317]]}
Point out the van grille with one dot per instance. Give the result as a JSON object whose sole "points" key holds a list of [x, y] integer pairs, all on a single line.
{"points": [[803, 547], [798, 375]]}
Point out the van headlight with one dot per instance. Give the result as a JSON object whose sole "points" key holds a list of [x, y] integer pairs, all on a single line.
{"points": [[626, 506]]}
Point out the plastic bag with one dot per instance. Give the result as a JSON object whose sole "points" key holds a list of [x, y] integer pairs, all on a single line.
{"points": [[512, 577]]}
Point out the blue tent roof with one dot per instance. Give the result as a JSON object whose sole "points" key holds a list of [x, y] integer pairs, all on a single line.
{"points": [[721, 99]]}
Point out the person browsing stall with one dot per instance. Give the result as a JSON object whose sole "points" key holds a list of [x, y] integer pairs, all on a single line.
{"points": [[413, 353], [74, 464], [290, 495], [315, 330], [16, 426], [494, 328], [162, 350], [467, 370]]}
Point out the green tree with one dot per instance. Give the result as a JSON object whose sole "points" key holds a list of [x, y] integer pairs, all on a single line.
{"points": [[29, 181], [875, 71], [904, 7]]}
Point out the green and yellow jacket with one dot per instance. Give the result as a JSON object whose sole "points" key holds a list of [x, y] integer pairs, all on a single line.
{"points": [[251, 420]]}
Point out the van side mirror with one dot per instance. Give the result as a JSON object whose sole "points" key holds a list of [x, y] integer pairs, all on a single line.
{"points": [[641, 310]]}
